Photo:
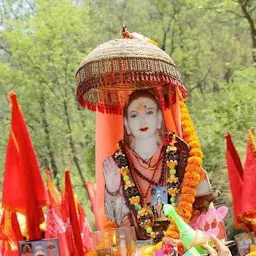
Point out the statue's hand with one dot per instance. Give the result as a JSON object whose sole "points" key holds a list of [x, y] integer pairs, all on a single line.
{"points": [[112, 175]]}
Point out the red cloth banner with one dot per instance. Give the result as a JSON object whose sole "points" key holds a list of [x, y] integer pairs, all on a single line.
{"points": [[10, 234], [242, 183], [249, 200], [85, 228], [56, 227], [69, 200], [235, 174], [23, 187]]}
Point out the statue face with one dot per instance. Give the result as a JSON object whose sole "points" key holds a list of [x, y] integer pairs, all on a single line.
{"points": [[143, 118], [159, 200]]}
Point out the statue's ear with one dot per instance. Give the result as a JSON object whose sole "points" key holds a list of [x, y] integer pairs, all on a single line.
{"points": [[159, 119], [127, 126]]}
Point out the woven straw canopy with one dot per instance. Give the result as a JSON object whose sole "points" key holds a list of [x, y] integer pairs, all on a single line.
{"points": [[116, 68]]}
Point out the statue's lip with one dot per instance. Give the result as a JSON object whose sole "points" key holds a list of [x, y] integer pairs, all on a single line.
{"points": [[143, 129]]}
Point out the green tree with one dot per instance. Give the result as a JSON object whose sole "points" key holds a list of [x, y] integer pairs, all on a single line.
{"points": [[41, 51]]}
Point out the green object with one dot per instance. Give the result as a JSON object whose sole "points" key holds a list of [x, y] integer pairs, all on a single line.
{"points": [[187, 234], [149, 230], [126, 178], [173, 199], [137, 207], [191, 252], [172, 171]]}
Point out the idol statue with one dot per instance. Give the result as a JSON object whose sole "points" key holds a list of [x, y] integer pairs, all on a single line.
{"points": [[144, 147]]}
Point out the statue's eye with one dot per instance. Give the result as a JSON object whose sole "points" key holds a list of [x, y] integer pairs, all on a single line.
{"points": [[133, 116], [150, 112]]}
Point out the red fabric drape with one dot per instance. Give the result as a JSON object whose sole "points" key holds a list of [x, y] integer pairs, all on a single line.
{"points": [[85, 228], [70, 202], [249, 179], [10, 236], [235, 174], [55, 225], [242, 183], [248, 200], [23, 187]]}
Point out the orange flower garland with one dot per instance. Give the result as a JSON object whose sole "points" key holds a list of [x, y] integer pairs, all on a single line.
{"points": [[192, 171]]}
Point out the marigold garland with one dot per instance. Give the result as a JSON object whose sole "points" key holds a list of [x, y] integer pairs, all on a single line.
{"points": [[196, 152], [192, 171], [188, 190], [187, 198], [194, 168], [194, 144]]}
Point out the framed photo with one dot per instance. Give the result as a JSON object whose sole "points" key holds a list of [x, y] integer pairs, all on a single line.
{"points": [[159, 197], [243, 242], [45, 247]]}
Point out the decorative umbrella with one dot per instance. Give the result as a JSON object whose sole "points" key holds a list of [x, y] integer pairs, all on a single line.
{"points": [[116, 68], [105, 79]]}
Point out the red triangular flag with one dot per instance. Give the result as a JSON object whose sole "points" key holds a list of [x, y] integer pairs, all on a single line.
{"points": [[249, 182], [66, 219], [235, 174], [23, 187], [85, 229], [70, 202], [55, 225], [11, 233]]}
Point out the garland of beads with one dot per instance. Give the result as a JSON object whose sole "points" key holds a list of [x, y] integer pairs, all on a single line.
{"points": [[173, 181], [144, 214], [192, 171]]}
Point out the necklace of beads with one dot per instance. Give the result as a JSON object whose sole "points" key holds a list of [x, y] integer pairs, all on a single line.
{"points": [[145, 215], [144, 196]]}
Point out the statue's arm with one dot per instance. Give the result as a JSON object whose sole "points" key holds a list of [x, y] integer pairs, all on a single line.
{"points": [[115, 207], [205, 194], [112, 176]]}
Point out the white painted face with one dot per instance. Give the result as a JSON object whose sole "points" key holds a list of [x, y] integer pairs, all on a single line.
{"points": [[143, 118]]}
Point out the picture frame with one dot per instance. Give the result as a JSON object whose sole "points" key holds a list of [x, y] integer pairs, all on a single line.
{"points": [[159, 197], [44, 247], [243, 241]]}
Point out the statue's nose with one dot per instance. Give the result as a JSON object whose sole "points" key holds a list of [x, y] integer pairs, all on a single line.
{"points": [[142, 121]]}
